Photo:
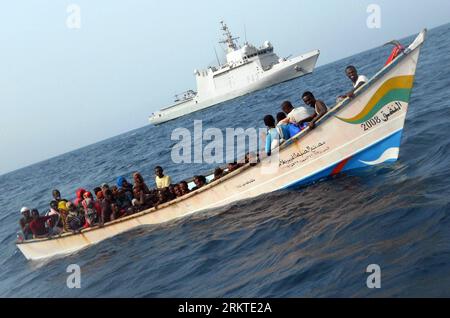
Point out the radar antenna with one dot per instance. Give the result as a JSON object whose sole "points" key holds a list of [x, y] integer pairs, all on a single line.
{"points": [[229, 39]]}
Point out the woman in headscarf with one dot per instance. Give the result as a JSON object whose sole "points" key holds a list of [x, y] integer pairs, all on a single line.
{"points": [[139, 181], [89, 200], [125, 188], [90, 212], [123, 197], [55, 224], [138, 196], [74, 220], [53, 208], [79, 198], [62, 208]]}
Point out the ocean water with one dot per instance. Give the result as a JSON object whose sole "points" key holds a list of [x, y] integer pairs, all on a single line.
{"points": [[315, 241]]}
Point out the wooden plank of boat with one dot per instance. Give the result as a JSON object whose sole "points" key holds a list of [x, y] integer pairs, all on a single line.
{"points": [[360, 132]]}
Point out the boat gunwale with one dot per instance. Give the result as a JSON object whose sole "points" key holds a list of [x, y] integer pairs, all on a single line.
{"points": [[228, 176]]}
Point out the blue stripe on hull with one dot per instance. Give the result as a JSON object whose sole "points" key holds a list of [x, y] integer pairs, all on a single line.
{"points": [[385, 151]]}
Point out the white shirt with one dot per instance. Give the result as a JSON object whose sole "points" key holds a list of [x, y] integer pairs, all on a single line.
{"points": [[361, 79], [300, 113]]}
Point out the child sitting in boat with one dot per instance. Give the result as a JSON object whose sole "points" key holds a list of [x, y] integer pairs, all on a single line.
{"points": [[273, 135], [288, 130]]}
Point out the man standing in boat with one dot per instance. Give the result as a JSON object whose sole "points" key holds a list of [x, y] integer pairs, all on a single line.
{"points": [[161, 180], [357, 80]]}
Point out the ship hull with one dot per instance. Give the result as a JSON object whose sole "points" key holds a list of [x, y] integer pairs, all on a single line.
{"points": [[282, 72], [360, 132]]}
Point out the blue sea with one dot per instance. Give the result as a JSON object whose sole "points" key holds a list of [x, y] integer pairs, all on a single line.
{"points": [[314, 241]]}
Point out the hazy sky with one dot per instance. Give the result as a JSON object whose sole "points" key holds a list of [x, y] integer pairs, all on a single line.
{"points": [[63, 88]]}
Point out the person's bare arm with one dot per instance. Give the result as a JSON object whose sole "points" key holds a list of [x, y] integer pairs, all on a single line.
{"points": [[284, 121], [352, 92], [321, 108], [142, 198], [306, 120], [102, 216], [22, 225]]}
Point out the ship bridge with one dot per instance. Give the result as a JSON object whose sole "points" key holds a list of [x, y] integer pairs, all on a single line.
{"points": [[240, 55]]}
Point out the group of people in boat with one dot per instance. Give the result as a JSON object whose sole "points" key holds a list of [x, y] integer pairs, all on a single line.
{"points": [[290, 121], [108, 203], [104, 204]]}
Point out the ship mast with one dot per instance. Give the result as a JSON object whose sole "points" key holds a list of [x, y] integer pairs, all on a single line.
{"points": [[229, 39]]}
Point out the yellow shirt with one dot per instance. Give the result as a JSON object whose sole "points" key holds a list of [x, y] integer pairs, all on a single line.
{"points": [[163, 182]]}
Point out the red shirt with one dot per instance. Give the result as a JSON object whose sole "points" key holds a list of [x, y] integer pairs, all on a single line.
{"points": [[38, 226]]}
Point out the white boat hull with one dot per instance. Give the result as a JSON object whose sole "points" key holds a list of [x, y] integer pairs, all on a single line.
{"points": [[282, 72], [358, 133]]}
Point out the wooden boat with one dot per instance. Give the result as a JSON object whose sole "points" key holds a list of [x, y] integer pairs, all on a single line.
{"points": [[363, 131]]}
